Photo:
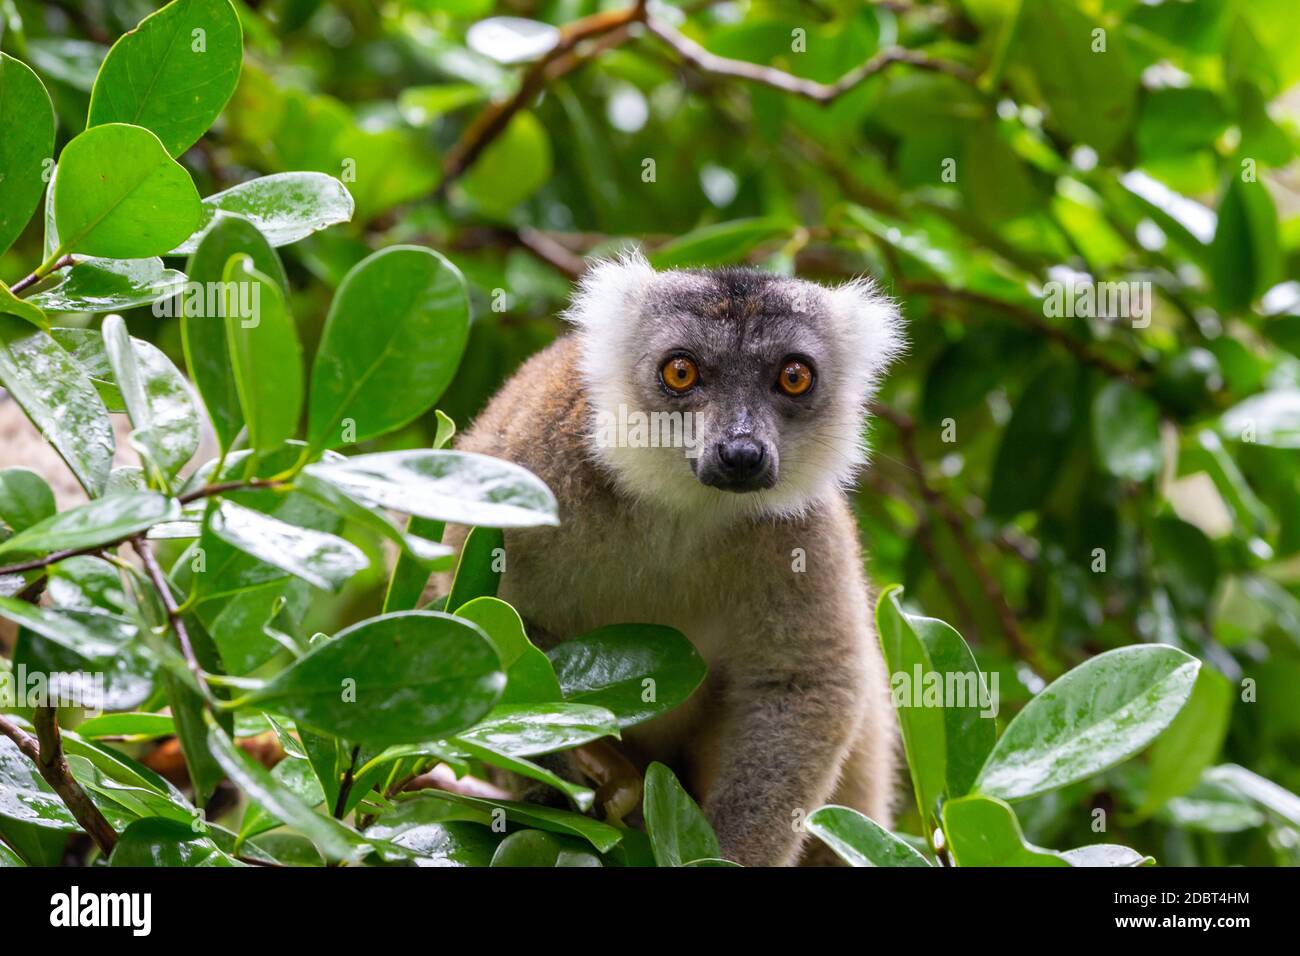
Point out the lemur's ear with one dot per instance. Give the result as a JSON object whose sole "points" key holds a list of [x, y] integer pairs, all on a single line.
{"points": [[870, 325], [609, 291]]}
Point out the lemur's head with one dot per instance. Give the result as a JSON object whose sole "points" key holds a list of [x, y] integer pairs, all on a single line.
{"points": [[732, 391]]}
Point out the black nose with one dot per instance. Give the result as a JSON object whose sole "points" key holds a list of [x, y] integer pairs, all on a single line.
{"points": [[741, 458]]}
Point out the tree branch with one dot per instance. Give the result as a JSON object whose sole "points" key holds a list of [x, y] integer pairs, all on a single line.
{"points": [[46, 751], [41, 272], [174, 618], [492, 122], [823, 93]]}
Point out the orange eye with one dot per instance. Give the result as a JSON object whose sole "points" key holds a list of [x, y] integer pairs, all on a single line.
{"points": [[679, 373], [795, 379]]}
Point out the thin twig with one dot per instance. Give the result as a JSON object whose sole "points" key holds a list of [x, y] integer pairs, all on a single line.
{"points": [[345, 788], [823, 93], [38, 275], [46, 751], [174, 617], [492, 121]]}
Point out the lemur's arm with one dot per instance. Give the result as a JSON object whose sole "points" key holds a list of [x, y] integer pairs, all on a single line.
{"points": [[786, 734]]}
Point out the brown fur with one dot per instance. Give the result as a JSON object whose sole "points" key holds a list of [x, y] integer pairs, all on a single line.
{"points": [[795, 712]]}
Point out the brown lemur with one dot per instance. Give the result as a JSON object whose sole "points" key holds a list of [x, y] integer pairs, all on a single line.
{"points": [[744, 541]]}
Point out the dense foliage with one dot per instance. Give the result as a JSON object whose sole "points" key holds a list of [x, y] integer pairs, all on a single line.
{"points": [[1087, 462]]}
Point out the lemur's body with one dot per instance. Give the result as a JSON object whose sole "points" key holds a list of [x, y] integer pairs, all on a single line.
{"points": [[767, 584]]}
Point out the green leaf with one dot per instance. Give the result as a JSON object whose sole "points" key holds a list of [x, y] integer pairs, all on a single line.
{"points": [[600, 835], [1191, 744], [96, 522], [27, 798], [127, 725], [1126, 431], [265, 356], [320, 559], [579, 796], [1267, 794], [513, 167], [860, 841], [637, 671], [537, 848], [534, 729], [158, 842], [121, 196], [969, 720], [431, 555], [1034, 442], [27, 118], [1244, 257], [1106, 854], [392, 341], [109, 285], [985, 832], [478, 573], [296, 775], [1102, 712], [25, 498], [678, 830], [1092, 95], [10, 304], [924, 735], [1269, 418], [530, 679], [90, 657], [399, 678], [173, 73], [59, 399], [457, 486], [332, 838], [720, 244], [203, 333], [434, 843], [156, 397], [283, 208]]}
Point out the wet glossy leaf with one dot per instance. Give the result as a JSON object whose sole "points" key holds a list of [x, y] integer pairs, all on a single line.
{"points": [[1102, 712], [537, 848], [109, 285], [1270, 418], [283, 207], [59, 399], [157, 842], [1191, 744], [634, 670], [1106, 854], [399, 678], [156, 397], [678, 831], [446, 486], [535, 729], [320, 559], [860, 841], [96, 522], [600, 835]]}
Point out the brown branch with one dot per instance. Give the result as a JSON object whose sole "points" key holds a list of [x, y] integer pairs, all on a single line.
{"points": [[823, 93], [46, 751], [345, 788], [38, 275], [492, 122], [935, 501], [220, 488], [1028, 317], [174, 617]]}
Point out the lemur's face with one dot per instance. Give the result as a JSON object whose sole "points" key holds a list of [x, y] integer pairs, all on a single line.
{"points": [[751, 387]]}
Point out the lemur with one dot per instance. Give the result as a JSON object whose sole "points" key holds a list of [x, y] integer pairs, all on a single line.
{"points": [[744, 541]]}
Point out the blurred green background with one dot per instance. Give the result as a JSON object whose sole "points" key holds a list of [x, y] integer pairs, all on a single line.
{"points": [[1052, 485]]}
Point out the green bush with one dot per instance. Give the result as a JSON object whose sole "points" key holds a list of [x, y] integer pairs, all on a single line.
{"points": [[1087, 462]]}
